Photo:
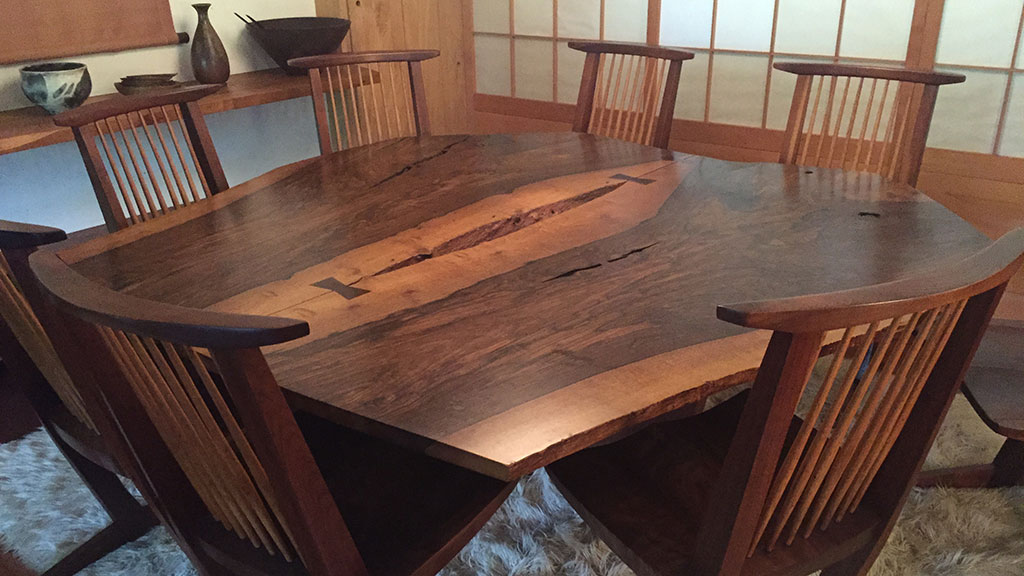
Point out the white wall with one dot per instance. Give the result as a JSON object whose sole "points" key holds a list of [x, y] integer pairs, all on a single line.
{"points": [[49, 185]]}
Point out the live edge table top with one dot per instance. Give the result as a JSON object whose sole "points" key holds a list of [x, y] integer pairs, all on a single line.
{"points": [[502, 301]]}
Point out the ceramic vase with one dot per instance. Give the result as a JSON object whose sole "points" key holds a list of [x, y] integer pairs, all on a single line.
{"points": [[209, 60]]}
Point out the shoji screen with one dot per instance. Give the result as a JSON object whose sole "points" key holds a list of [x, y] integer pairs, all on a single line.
{"points": [[981, 39], [736, 41], [522, 45]]}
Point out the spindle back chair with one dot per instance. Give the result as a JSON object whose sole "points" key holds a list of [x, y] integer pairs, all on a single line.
{"points": [[628, 91], [364, 97], [147, 155], [73, 420], [225, 460], [827, 480], [868, 118]]}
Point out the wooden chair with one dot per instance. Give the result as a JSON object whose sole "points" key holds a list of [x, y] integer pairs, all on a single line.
{"points": [[228, 469], [747, 487], [628, 91], [71, 419], [872, 119], [147, 155], [370, 96], [994, 385]]}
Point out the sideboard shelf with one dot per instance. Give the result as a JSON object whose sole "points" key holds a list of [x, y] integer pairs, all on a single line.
{"points": [[31, 127]]}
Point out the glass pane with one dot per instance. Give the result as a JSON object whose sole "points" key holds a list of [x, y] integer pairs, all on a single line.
{"points": [[625, 20], [534, 17], [570, 72], [579, 19], [966, 114], [807, 26], [686, 23], [877, 29], [744, 24], [490, 16], [737, 89], [534, 64], [693, 88], [1013, 130], [492, 66], [979, 32]]}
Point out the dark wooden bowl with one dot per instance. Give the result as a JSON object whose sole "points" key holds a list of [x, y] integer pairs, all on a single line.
{"points": [[287, 38]]}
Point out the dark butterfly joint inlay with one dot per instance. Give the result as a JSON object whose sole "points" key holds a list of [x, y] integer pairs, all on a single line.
{"points": [[634, 179], [334, 285]]}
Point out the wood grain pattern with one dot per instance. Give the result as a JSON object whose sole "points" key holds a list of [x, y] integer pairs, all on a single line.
{"points": [[493, 280]]}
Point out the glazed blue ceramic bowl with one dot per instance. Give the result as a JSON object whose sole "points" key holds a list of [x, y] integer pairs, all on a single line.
{"points": [[56, 86]]}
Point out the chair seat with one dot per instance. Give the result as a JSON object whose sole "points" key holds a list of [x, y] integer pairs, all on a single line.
{"points": [[995, 381], [408, 514], [646, 495]]}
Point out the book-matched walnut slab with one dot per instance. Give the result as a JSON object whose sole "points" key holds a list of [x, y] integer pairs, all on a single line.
{"points": [[503, 301]]}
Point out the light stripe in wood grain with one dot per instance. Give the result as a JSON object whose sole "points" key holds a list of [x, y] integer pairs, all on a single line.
{"points": [[437, 277]]}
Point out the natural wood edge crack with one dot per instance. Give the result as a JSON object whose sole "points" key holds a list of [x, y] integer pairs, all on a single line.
{"points": [[503, 227], [632, 252], [412, 165]]}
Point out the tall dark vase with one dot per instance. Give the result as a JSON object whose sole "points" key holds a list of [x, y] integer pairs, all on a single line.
{"points": [[209, 60]]}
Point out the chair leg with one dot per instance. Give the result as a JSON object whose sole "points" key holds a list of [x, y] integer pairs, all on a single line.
{"points": [[1008, 465], [128, 518], [117, 534], [104, 484]]}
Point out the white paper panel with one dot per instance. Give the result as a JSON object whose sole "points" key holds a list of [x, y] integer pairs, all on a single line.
{"points": [[535, 17], [534, 65], [737, 89], [1020, 56], [980, 32], [744, 24], [966, 114], [877, 29], [625, 20], [807, 26], [579, 19], [1013, 131], [686, 23], [780, 99], [493, 75], [570, 72], [693, 88], [491, 16]]}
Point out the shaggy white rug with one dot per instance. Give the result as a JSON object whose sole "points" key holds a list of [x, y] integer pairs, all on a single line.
{"points": [[45, 510]]}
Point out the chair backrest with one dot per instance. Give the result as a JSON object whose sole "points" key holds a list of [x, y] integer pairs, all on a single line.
{"points": [[148, 154], [628, 91], [206, 423], [899, 358], [364, 97], [869, 119], [22, 337]]}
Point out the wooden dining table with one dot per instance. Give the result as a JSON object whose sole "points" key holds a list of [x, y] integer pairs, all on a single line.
{"points": [[503, 301]]}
